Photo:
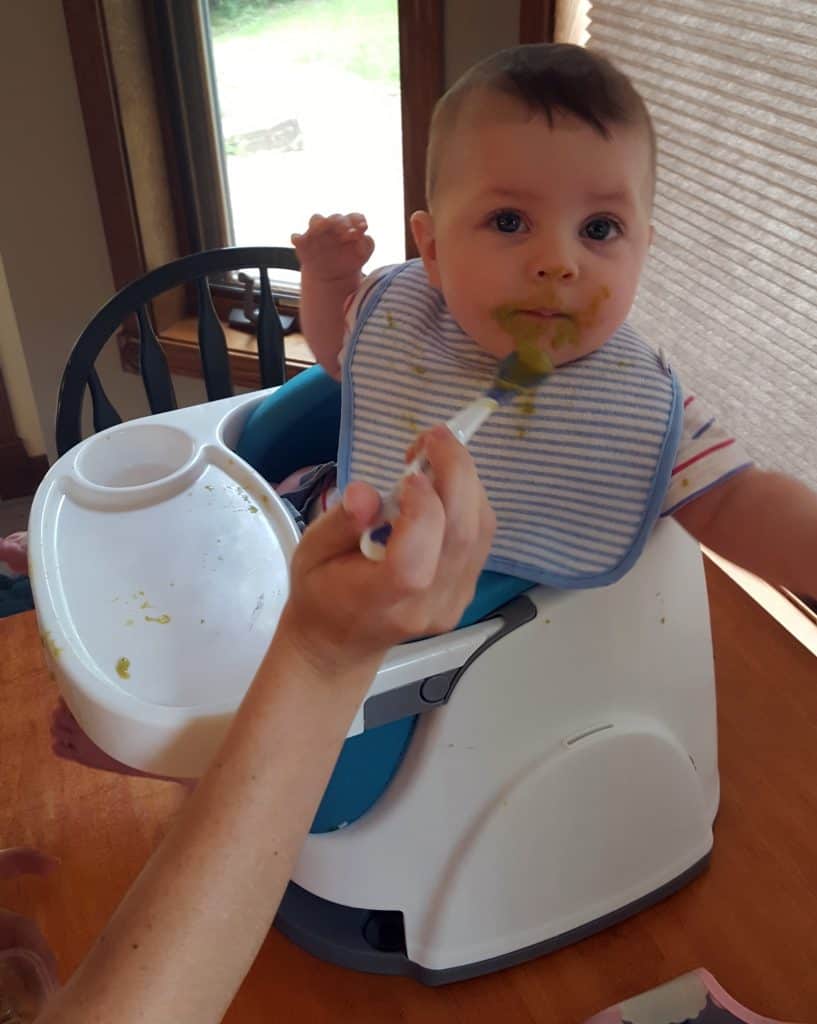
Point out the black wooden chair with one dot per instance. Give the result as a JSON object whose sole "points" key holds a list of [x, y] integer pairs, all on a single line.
{"points": [[133, 300]]}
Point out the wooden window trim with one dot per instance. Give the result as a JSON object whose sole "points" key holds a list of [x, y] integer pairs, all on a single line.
{"points": [[537, 21], [181, 349], [422, 76], [90, 51]]}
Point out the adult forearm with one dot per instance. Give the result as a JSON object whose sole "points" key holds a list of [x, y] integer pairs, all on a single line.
{"points": [[180, 944], [322, 315], [188, 930]]}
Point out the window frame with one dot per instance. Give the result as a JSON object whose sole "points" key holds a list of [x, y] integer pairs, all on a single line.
{"points": [[422, 82], [537, 20]]}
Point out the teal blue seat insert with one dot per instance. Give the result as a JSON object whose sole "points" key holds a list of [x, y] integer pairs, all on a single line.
{"points": [[298, 425]]}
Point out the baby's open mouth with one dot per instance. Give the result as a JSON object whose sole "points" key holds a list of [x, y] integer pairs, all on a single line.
{"points": [[542, 313]]}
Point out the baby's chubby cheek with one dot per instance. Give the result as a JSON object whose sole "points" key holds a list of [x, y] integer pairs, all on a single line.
{"points": [[594, 312], [598, 319]]}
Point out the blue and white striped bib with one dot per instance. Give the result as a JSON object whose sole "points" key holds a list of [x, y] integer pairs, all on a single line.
{"points": [[576, 473]]}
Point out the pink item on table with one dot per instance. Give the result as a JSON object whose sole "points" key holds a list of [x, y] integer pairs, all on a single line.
{"points": [[28, 970], [694, 998]]}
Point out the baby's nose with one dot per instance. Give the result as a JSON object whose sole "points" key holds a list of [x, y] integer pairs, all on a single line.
{"points": [[552, 254], [556, 272]]}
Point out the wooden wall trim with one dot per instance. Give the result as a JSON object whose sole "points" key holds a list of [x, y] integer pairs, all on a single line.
{"points": [[87, 35], [422, 77], [537, 21]]}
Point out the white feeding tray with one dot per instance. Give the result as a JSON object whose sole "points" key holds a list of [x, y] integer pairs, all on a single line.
{"points": [[159, 563]]}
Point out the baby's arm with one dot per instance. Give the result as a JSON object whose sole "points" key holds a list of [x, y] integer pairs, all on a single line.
{"points": [[765, 522], [332, 252]]}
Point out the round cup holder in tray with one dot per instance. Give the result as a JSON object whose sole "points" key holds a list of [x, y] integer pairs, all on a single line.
{"points": [[144, 456]]}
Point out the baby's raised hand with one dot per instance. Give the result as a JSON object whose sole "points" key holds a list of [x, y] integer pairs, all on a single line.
{"points": [[334, 248]]}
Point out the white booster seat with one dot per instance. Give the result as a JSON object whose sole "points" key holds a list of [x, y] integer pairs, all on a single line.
{"points": [[544, 770]]}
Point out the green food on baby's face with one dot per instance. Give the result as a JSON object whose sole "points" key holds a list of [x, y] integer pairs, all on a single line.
{"points": [[525, 331], [536, 324]]}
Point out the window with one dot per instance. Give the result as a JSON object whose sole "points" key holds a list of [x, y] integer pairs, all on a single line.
{"points": [[168, 168], [571, 21], [730, 288], [155, 76], [308, 98]]}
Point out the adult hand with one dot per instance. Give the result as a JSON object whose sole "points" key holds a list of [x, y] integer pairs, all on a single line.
{"points": [[344, 608]]}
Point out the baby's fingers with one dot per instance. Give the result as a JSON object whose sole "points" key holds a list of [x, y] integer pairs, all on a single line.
{"points": [[344, 227], [365, 248], [357, 222], [318, 227]]}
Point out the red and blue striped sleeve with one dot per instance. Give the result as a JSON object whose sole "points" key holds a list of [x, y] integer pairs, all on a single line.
{"points": [[707, 456]]}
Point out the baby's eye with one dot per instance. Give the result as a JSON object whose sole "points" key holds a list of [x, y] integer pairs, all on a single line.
{"points": [[601, 229], [508, 221]]}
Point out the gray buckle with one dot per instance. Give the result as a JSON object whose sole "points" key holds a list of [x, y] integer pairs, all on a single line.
{"points": [[434, 691]]}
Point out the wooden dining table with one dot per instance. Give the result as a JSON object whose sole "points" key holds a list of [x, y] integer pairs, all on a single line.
{"points": [[751, 918]]}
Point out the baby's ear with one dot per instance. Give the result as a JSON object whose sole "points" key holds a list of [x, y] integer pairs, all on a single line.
{"points": [[422, 230]]}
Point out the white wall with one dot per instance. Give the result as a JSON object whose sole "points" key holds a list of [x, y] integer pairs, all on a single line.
{"points": [[15, 369], [51, 239]]}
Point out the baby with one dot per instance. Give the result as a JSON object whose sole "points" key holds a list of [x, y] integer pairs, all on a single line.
{"points": [[540, 180]]}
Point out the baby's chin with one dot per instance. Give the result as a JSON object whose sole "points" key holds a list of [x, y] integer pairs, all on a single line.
{"points": [[499, 348], [570, 353], [560, 353]]}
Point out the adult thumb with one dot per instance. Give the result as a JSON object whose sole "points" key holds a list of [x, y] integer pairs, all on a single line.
{"points": [[338, 531]]}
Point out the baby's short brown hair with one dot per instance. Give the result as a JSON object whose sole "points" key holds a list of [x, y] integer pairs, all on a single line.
{"points": [[547, 78]]}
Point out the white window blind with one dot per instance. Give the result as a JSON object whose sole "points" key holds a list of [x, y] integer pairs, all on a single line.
{"points": [[730, 290]]}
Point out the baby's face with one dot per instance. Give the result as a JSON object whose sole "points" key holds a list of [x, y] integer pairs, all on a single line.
{"points": [[537, 235]]}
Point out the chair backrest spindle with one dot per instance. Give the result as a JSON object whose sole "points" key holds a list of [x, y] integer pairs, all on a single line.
{"points": [[215, 359], [154, 368], [270, 338], [134, 298], [103, 413]]}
